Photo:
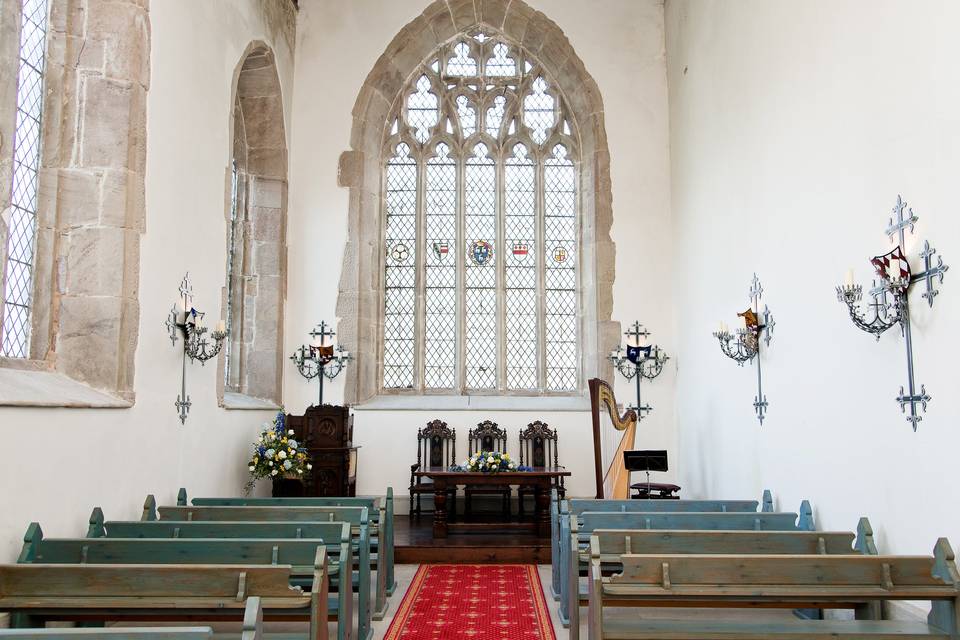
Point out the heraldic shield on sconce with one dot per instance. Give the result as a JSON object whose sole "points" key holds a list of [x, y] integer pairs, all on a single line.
{"points": [[744, 345], [185, 321], [890, 298], [639, 361]]}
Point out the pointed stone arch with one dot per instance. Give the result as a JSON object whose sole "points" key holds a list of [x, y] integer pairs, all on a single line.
{"points": [[361, 170], [256, 192]]}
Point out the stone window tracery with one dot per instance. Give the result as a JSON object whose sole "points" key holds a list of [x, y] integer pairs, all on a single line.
{"points": [[481, 228]]}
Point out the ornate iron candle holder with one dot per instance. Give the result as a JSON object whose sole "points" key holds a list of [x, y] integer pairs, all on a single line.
{"points": [[319, 359], [743, 345], [638, 362], [186, 322], [890, 300]]}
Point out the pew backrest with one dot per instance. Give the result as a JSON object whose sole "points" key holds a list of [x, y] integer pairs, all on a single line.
{"points": [[581, 505], [757, 521], [100, 528], [614, 542], [832, 578], [357, 516], [109, 633], [299, 553]]}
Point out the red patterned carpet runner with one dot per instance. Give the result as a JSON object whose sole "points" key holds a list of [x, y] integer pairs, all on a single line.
{"points": [[478, 602]]}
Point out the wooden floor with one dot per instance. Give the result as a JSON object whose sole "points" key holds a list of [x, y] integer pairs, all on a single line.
{"points": [[414, 543]]}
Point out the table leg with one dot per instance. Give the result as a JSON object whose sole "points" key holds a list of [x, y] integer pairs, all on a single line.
{"points": [[439, 510], [542, 512]]}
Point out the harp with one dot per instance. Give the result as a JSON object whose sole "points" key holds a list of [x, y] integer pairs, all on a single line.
{"points": [[612, 435]]}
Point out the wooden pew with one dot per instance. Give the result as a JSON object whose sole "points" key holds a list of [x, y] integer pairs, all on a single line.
{"points": [[756, 521], [298, 553], [563, 509], [614, 543], [381, 524], [778, 581], [358, 517], [36, 593], [111, 633]]}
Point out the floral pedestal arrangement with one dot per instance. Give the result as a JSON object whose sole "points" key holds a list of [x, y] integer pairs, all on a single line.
{"points": [[277, 455]]}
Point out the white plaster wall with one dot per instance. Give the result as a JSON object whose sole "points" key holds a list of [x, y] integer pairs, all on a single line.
{"points": [[57, 464], [622, 46], [794, 125]]}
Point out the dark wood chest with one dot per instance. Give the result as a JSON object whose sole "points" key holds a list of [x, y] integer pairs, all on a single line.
{"points": [[327, 433]]}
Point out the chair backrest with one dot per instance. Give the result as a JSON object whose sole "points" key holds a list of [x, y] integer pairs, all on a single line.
{"points": [[487, 437], [436, 445], [538, 445]]}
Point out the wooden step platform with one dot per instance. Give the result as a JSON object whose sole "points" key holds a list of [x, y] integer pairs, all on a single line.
{"points": [[414, 543]]}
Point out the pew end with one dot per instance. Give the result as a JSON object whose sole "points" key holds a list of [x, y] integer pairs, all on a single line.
{"points": [[95, 528], [149, 509], [252, 620], [182, 497], [767, 501]]}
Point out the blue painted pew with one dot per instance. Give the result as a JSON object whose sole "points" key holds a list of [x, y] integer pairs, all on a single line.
{"points": [[35, 593], [381, 511], [852, 582], [562, 509], [612, 543], [298, 553], [710, 521], [357, 516]]}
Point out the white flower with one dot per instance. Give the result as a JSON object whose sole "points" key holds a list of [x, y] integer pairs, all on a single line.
{"points": [[269, 453], [287, 464], [274, 472], [270, 463], [299, 470], [490, 459], [292, 444], [250, 467], [290, 432], [282, 455], [309, 466], [260, 439]]}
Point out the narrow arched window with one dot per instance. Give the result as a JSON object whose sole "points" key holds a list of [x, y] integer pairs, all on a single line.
{"points": [[19, 252], [481, 230]]}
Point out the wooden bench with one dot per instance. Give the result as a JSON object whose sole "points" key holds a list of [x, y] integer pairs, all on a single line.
{"points": [[614, 543], [381, 524], [112, 633], [775, 581], [36, 593], [358, 517], [562, 509], [300, 554], [705, 521]]}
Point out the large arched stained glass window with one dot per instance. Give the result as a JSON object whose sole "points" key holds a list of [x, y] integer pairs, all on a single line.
{"points": [[481, 227]]}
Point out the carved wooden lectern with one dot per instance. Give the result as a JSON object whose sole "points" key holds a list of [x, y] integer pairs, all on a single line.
{"points": [[327, 433]]}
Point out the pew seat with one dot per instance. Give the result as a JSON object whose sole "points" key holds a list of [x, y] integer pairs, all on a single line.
{"points": [[762, 630]]}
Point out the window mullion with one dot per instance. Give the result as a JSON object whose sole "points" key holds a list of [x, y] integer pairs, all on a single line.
{"points": [[501, 247], [419, 315], [541, 247], [460, 247]]}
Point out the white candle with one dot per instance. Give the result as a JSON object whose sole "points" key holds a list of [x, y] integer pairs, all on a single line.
{"points": [[221, 327], [199, 321], [849, 279]]}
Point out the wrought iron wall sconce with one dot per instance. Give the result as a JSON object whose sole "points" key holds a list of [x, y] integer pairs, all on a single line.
{"points": [[319, 359], [186, 322], [890, 305], [743, 345], [639, 361]]}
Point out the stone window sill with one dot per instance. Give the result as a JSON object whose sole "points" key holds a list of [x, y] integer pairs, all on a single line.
{"points": [[243, 402], [22, 387], [475, 403]]}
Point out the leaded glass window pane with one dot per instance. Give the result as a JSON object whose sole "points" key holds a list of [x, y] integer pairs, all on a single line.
{"points": [[400, 271], [560, 254], [21, 242], [440, 270], [480, 222], [481, 233], [520, 257]]}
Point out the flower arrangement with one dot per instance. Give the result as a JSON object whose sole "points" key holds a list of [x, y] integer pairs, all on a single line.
{"points": [[489, 462], [277, 453]]}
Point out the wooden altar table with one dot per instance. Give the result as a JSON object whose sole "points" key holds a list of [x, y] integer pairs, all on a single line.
{"points": [[540, 478]]}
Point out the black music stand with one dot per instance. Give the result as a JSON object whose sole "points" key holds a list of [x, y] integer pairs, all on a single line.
{"points": [[650, 460]]}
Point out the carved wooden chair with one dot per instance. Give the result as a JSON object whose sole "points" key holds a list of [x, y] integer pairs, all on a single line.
{"points": [[436, 447], [538, 448], [487, 437]]}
